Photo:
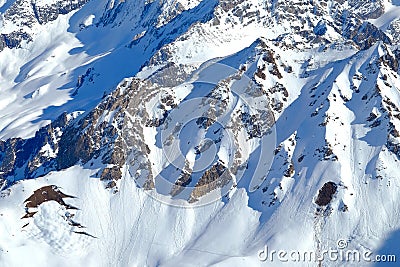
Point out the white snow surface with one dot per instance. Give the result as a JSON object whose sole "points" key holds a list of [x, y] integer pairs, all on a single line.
{"points": [[140, 231], [130, 227]]}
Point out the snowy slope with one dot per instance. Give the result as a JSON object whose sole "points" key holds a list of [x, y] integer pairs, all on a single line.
{"points": [[195, 133]]}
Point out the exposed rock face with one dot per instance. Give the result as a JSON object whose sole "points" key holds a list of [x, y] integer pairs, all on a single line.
{"points": [[24, 14], [52, 193], [13, 40], [365, 35], [44, 194], [64, 143], [45, 13], [33, 156], [113, 134], [370, 9], [326, 194], [170, 75], [350, 23], [394, 29], [216, 177], [304, 17], [227, 5]]}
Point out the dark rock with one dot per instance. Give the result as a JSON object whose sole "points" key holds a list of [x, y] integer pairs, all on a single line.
{"points": [[47, 13], [326, 194], [13, 39], [47, 193], [215, 177], [111, 174]]}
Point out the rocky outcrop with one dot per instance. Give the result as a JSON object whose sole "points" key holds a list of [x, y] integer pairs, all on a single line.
{"points": [[14, 39], [365, 35], [216, 177], [24, 14], [370, 9], [34, 156], [326, 193], [49, 12], [112, 135], [44, 194]]}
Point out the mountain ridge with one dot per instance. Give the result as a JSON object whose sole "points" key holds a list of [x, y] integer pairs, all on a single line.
{"points": [[198, 139]]}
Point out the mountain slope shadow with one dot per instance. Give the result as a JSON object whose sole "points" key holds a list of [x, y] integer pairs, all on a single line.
{"points": [[111, 65], [389, 248]]}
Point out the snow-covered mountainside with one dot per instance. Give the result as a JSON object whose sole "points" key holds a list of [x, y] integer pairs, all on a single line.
{"points": [[198, 132]]}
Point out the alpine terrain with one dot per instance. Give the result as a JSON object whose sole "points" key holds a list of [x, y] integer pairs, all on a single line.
{"points": [[199, 133]]}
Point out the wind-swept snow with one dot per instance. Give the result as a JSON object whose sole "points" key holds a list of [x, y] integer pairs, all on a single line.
{"points": [[159, 159]]}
